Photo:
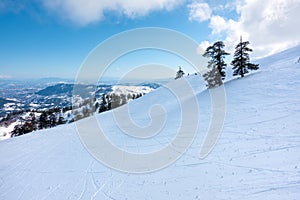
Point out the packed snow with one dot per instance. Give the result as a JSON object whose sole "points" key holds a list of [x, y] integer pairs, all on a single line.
{"points": [[256, 156]]}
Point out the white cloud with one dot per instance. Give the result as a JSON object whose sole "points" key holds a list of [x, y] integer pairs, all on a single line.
{"points": [[218, 24], [270, 26], [199, 11], [203, 46], [88, 11], [229, 6]]}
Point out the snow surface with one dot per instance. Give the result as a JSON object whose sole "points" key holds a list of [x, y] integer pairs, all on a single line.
{"points": [[256, 157], [5, 131], [124, 89]]}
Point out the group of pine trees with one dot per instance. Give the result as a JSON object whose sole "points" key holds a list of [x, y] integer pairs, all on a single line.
{"points": [[216, 54], [217, 65], [47, 119], [111, 101]]}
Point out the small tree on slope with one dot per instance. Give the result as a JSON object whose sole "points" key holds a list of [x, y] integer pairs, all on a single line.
{"points": [[216, 53], [241, 61], [179, 73]]}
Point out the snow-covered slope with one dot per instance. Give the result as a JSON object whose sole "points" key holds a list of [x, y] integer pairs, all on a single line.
{"points": [[122, 89], [256, 157]]}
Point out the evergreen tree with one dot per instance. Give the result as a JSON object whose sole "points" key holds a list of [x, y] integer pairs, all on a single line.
{"points": [[108, 98], [241, 61], [52, 120], [103, 104], [22, 129], [18, 130], [216, 53], [43, 120], [179, 73], [33, 121], [129, 96], [61, 120]]}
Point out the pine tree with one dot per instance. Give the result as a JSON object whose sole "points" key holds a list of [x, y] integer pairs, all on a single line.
{"points": [[108, 98], [103, 104], [241, 61], [43, 120], [179, 73], [216, 53], [33, 121], [52, 120], [61, 120]]}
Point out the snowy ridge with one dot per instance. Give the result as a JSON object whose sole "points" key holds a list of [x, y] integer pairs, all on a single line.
{"points": [[256, 157], [122, 89]]}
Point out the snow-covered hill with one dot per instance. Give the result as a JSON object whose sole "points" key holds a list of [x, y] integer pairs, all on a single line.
{"points": [[256, 156], [122, 89]]}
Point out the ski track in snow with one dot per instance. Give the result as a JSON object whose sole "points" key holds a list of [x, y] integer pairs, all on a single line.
{"points": [[256, 157]]}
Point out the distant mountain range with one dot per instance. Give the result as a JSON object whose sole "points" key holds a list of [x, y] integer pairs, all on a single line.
{"points": [[47, 93], [24, 102]]}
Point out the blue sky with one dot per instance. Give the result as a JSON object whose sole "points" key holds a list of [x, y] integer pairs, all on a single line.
{"points": [[52, 38]]}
